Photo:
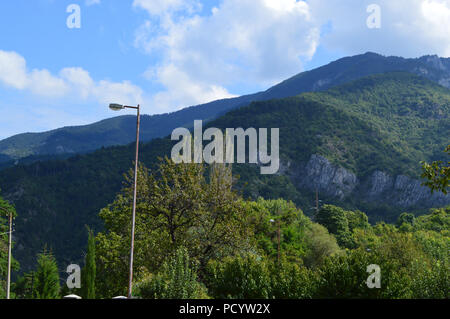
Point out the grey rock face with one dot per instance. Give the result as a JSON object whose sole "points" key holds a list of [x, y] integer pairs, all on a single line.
{"points": [[337, 182], [435, 68], [380, 183], [445, 82], [330, 179], [435, 62], [402, 191]]}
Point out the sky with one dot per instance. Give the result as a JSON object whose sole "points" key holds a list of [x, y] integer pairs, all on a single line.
{"points": [[63, 61]]}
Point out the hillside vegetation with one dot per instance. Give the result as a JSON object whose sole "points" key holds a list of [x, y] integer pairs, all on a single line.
{"points": [[387, 122], [119, 130]]}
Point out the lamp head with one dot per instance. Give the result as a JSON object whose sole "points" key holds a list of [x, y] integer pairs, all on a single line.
{"points": [[116, 107]]}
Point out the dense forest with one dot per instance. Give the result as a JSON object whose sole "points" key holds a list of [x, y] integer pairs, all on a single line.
{"points": [[196, 237], [389, 122], [199, 226]]}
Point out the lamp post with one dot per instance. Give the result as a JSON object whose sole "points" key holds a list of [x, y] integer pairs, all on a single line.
{"points": [[118, 107], [8, 278]]}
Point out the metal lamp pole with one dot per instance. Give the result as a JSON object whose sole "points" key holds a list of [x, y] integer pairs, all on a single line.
{"points": [[118, 107]]}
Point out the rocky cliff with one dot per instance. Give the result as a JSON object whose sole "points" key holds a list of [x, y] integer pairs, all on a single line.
{"points": [[336, 182]]}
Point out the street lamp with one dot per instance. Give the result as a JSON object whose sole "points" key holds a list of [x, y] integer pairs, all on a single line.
{"points": [[118, 107]]}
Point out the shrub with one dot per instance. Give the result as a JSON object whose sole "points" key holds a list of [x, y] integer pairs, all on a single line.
{"points": [[245, 277], [177, 280]]}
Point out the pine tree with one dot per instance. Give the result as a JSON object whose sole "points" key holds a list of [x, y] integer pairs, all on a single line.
{"points": [[47, 277], [89, 271]]}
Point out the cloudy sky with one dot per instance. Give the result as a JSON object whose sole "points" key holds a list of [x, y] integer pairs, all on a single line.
{"points": [[169, 54]]}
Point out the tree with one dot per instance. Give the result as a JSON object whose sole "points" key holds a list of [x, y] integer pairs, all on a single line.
{"points": [[335, 220], [177, 206], [89, 270], [437, 175], [342, 223], [319, 245], [176, 280], [437, 220], [46, 277], [291, 281], [406, 221], [246, 277], [270, 216], [24, 286]]}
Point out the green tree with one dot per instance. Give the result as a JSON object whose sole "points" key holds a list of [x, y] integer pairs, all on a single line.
{"points": [[291, 281], [335, 220], [437, 175], [176, 280], [437, 220], [246, 277], [177, 205], [47, 277], [270, 216], [405, 221], [344, 276], [342, 223], [319, 245], [24, 286], [89, 270]]}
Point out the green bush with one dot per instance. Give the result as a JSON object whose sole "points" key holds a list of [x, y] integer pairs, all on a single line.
{"points": [[245, 277], [291, 281], [177, 280], [47, 277]]}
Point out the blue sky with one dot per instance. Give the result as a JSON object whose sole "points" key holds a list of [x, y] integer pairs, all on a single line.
{"points": [[169, 54]]}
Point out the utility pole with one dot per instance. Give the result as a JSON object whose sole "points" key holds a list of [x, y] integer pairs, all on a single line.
{"points": [[317, 201], [277, 223], [8, 279], [32, 284], [279, 240]]}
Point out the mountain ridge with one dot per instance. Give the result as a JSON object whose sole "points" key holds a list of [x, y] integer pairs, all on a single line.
{"points": [[120, 130]]}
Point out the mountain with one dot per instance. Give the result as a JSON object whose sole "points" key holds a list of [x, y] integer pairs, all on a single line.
{"points": [[120, 130], [359, 145]]}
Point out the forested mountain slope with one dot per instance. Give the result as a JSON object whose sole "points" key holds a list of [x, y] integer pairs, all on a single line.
{"points": [[119, 130], [358, 144]]}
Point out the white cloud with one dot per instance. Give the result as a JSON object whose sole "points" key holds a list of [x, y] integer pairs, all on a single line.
{"points": [[70, 82], [13, 70], [41, 82], [261, 42], [182, 91], [239, 42], [409, 28], [162, 7], [13, 73]]}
